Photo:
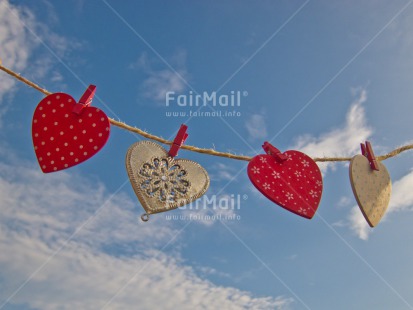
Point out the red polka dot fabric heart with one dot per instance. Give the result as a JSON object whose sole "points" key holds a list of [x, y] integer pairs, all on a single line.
{"points": [[294, 183], [62, 138]]}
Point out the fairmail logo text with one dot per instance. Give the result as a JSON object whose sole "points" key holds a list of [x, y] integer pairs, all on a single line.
{"points": [[233, 99]]}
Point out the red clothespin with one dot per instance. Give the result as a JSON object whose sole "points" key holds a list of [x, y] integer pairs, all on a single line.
{"points": [[85, 100], [178, 141], [367, 151], [274, 152]]}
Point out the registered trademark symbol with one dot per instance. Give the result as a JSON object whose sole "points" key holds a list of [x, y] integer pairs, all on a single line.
{"points": [[245, 93]]}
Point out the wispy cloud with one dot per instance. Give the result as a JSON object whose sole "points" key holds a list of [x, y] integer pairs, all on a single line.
{"points": [[160, 81], [343, 141], [358, 224], [402, 195], [401, 200], [344, 201], [17, 45], [222, 172], [256, 127], [39, 212]]}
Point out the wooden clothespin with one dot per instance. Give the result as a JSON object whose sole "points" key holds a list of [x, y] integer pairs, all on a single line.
{"points": [[178, 141], [367, 151], [85, 100], [274, 152]]}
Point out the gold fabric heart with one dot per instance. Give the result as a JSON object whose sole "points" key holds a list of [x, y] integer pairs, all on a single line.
{"points": [[161, 182], [371, 188]]}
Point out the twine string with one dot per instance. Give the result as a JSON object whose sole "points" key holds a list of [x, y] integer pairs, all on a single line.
{"points": [[196, 149]]}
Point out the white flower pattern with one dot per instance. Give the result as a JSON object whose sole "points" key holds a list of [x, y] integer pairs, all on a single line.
{"points": [[303, 211], [256, 170], [313, 194], [275, 174]]}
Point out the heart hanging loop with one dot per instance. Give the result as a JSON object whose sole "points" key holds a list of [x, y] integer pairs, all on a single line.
{"points": [[145, 217]]}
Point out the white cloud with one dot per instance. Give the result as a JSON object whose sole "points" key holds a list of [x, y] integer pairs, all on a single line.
{"points": [[256, 127], [344, 202], [40, 212], [159, 82], [358, 224], [401, 200], [344, 141], [18, 30], [222, 172], [16, 43], [402, 194]]}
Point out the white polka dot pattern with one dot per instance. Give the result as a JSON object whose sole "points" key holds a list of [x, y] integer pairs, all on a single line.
{"points": [[57, 132], [371, 188], [295, 184]]}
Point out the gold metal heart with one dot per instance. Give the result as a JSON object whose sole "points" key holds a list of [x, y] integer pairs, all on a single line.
{"points": [[161, 182], [372, 189]]}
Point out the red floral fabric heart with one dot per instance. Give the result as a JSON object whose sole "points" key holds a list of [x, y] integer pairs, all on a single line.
{"points": [[295, 183]]}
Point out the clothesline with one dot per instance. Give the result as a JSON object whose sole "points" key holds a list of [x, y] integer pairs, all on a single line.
{"points": [[212, 152]]}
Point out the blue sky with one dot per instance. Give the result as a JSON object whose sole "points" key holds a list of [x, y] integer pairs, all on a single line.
{"points": [[320, 77]]}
